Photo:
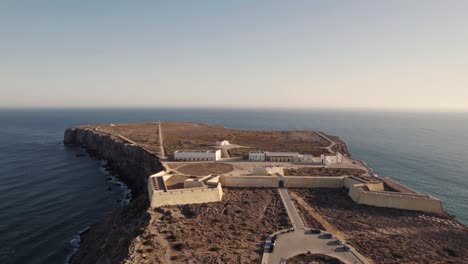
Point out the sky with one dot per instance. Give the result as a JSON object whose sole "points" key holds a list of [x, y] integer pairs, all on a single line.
{"points": [[410, 55]]}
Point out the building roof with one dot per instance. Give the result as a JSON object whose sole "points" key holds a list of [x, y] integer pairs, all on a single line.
{"points": [[282, 154], [196, 151]]}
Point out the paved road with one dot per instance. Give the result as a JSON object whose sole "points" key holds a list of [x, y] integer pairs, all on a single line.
{"points": [[300, 241], [293, 214], [161, 143]]}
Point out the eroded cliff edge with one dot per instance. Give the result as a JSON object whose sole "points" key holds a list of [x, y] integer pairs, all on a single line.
{"points": [[108, 241]]}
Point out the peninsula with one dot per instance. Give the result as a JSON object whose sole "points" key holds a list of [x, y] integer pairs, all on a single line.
{"points": [[208, 194]]}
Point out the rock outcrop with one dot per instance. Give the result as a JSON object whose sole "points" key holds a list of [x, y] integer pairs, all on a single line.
{"points": [[108, 241]]}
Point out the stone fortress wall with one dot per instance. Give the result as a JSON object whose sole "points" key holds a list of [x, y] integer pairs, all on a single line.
{"points": [[405, 198], [187, 196], [360, 191], [194, 191]]}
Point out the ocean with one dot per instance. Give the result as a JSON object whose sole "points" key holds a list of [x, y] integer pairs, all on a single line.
{"points": [[49, 192]]}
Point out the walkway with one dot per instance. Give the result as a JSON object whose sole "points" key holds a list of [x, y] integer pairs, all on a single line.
{"points": [[162, 154], [332, 143], [301, 241]]}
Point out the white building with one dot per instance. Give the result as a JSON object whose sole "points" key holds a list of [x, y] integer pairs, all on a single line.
{"points": [[306, 158], [328, 160], [257, 156], [283, 156], [222, 143], [280, 156], [197, 155], [268, 170]]}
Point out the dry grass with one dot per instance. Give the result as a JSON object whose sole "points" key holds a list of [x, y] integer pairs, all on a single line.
{"points": [[231, 231], [310, 171], [391, 235], [179, 136], [145, 134], [202, 169]]}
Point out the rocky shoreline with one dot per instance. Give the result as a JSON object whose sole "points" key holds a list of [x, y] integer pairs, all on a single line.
{"points": [[108, 241]]}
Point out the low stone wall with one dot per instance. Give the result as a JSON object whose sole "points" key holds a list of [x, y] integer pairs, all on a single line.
{"points": [[350, 181], [398, 187], [249, 181], [187, 196], [313, 182], [395, 200], [288, 182]]}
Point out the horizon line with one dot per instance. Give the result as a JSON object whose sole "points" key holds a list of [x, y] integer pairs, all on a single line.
{"points": [[279, 108]]}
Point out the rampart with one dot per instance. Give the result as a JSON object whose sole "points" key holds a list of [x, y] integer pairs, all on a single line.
{"points": [[313, 182], [250, 181], [187, 196], [398, 187], [360, 194]]}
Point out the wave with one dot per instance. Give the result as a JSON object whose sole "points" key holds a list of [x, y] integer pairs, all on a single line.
{"points": [[74, 243]]}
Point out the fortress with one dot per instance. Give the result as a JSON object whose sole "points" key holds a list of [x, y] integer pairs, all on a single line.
{"points": [[374, 192], [220, 184]]}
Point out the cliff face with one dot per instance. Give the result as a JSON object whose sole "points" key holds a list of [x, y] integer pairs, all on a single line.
{"points": [[108, 241], [132, 163]]}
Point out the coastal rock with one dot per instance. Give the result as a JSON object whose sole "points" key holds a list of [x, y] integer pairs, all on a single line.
{"points": [[108, 241]]}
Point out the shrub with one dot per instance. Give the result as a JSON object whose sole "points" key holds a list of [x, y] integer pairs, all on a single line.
{"points": [[214, 249], [397, 255], [171, 238], [178, 246], [450, 251]]}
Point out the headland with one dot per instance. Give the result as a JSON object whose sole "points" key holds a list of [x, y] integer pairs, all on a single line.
{"points": [[207, 194]]}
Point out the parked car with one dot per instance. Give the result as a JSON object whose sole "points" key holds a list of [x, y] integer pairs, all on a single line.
{"points": [[267, 248], [346, 248], [339, 242], [315, 231], [272, 246], [327, 235]]}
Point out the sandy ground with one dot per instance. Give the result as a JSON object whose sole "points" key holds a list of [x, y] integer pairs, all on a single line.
{"points": [[391, 235], [231, 231]]}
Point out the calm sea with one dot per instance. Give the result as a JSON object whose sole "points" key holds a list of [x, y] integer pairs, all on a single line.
{"points": [[48, 192]]}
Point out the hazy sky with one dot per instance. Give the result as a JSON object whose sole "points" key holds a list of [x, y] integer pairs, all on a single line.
{"points": [[359, 54]]}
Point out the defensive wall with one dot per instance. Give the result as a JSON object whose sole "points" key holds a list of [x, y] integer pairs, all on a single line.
{"points": [[250, 181], [398, 187], [361, 194], [194, 191], [187, 196], [313, 182], [360, 191]]}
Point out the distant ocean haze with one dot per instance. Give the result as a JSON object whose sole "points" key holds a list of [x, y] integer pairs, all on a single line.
{"points": [[48, 194]]}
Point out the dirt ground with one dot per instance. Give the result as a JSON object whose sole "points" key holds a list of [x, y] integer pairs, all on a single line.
{"points": [[144, 134], [231, 231], [177, 181], [203, 169], [313, 259], [314, 171], [197, 136], [184, 136], [391, 235]]}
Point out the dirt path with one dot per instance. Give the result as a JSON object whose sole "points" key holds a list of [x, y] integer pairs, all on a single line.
{"points": [[328, 227], [332, 143], [161, 142]]}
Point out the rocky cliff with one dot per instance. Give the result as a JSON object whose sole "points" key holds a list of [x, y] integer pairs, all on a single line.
{"points": [[108, 241]]}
